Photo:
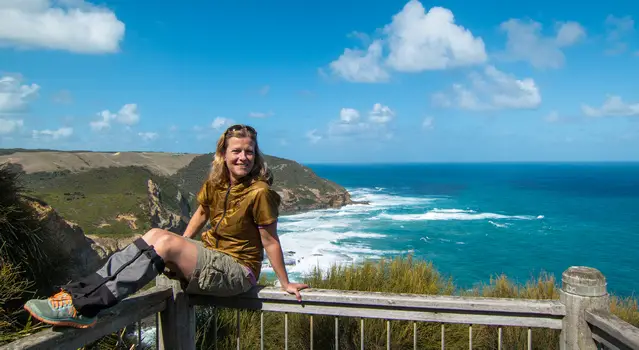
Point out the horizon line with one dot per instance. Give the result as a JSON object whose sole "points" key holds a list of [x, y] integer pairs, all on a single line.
{"points": [[521, 161]]}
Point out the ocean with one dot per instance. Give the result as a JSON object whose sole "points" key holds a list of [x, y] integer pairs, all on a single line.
{"points": [[474, 221]]}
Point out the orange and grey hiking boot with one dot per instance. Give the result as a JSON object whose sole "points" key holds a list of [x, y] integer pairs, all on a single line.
{"points": [[58, 310]]}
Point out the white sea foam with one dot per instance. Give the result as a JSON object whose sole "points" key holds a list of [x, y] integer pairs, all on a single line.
{"points": [[347, 235], [321, 238], [497, 224], [452, 214], [381, 200]]}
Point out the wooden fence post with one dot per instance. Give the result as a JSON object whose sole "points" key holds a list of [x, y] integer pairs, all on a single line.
{"points": [[583, 288], [176, 324]]}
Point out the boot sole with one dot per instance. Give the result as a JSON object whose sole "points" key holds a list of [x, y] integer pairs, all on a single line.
{"points": [[60, 323]]}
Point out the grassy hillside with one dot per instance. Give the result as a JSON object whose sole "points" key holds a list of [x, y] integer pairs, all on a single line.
{"points": [[8, 151], [104, 194], [102, 201]]}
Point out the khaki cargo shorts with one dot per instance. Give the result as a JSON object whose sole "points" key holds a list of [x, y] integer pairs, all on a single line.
{"points": [[218, 274]]}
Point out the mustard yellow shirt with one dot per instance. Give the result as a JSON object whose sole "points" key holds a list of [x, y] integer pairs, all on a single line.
{"points": [[235, 214]]}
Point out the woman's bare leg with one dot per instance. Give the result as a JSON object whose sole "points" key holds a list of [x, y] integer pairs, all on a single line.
{"points": [[178, 253]]}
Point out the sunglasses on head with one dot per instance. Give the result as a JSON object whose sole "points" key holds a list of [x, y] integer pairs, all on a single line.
{"points": [[237, 127]]}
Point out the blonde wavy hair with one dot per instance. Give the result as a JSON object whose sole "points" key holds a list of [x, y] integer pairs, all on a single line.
{"points": [[219, 174]]}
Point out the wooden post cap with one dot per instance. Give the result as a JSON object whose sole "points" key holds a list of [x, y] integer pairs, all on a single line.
{"points": [[584, 281]]}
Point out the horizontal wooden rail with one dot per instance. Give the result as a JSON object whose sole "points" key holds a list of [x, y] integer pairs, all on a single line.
{"points": [[612, 332], [582, 313], [411, 307], [127, 312]]}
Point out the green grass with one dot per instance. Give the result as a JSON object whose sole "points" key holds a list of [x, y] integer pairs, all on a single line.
{"points": [[400, 275], [93, 199], [13, 288], [29, 265]]}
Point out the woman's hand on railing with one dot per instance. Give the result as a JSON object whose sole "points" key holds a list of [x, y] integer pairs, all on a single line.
{"points": [[294, 288]]}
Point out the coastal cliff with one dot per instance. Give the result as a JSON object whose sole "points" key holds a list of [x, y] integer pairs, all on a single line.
{"points": [[300, 188], [127, 193]]}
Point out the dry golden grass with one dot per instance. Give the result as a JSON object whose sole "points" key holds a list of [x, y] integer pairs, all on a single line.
{"points": [[400, 275]]}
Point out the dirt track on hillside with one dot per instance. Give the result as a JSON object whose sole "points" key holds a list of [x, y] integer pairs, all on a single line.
{"points": [[161, 163]]}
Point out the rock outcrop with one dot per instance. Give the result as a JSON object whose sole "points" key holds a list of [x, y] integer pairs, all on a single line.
{"points": [[163, 218], [72, 245], [302, 199], [105, 246]]}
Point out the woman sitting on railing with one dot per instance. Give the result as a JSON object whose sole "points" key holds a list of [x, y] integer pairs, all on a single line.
{"points": [[243, 211]]}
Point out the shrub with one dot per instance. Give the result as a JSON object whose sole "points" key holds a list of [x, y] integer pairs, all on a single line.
{"points": [[12, 289], [21, 237]]}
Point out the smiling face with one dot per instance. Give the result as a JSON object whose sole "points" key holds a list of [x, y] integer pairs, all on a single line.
{"points": [[239, 157]]}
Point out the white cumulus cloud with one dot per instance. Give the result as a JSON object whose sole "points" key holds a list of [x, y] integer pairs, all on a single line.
{"points": [[613, 106], [14, 95], [350, 124], [221, 122], [381, 114], [525, 42], [148, 136], [361, 66], [420, 40], [312, 136], [70, 25], [127, 115], [60, 133], [416, 40], [8, 126], [492, 89], [348, 115]]}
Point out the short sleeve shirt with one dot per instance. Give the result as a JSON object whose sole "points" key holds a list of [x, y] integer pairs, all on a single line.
{"points": [[236, 213]]}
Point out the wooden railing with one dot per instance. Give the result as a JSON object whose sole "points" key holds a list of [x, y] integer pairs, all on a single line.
{"points": [[581, 314]]}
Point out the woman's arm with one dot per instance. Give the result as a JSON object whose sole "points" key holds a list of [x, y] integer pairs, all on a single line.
{"points": [[198, 220], [271, 243]]}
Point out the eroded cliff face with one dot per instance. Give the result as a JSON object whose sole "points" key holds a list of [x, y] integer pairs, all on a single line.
{"points": [[104, 247], [300, 199], [163, 218], [72, 245]]}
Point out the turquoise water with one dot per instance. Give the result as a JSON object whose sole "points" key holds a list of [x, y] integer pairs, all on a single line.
{"points": [[478, 220]]}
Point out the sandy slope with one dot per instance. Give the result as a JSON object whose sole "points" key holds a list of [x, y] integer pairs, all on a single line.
{"points": [[161, 163]]}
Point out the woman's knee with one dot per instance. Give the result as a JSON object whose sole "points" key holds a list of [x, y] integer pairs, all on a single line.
{"points": [[165, 244], [153, 235]]}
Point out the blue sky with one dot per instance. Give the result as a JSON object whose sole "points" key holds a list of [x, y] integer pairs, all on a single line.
{"points": [[353, 81]]}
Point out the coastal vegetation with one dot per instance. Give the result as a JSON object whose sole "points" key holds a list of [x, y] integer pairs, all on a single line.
{"points": [[106, 194], [402, 274], [106, 201], [28, 262]]}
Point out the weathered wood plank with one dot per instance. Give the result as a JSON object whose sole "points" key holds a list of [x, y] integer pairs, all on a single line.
{"points": [[612, 331], [176, 324], [389, 312], [119, 316], [389, 300]]}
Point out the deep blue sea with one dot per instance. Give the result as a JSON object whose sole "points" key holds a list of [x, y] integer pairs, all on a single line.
{"points": [[478, 220]]}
